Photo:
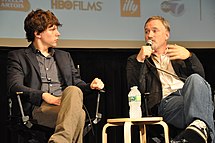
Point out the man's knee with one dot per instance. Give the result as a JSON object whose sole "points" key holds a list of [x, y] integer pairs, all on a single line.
{"points": [[73, 92], [72, 88], [199, 82], [196, 77]]}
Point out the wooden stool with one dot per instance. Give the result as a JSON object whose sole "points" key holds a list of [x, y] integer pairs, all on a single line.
{"points": [[141, 122]]}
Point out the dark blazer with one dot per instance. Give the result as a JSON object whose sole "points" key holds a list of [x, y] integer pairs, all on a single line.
{"points": [[23, 74], [146, 77]]}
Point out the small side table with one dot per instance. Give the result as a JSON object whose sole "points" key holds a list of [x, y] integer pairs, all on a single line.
{"points": [[141, 122]]}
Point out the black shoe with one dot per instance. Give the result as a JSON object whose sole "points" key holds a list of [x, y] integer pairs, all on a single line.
{"points": [[196, 132]]}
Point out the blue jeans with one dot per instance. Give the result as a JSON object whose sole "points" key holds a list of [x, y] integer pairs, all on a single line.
{"points": [[193, 101]]}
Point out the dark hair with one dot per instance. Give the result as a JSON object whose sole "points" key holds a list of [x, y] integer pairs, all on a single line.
{"points": [[163, 20], [39, 21]]}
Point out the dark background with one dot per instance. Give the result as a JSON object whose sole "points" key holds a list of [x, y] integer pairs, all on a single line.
{"points": [[109, 65]]}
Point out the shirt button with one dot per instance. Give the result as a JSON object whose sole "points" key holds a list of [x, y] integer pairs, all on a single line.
{"points": [[47, 68]]}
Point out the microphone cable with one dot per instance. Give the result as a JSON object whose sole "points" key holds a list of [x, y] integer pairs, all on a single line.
{"points": [[149, 43], [174, 75]]}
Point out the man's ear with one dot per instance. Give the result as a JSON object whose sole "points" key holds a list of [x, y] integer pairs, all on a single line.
{"points": [[37, 34], [167, 35]]}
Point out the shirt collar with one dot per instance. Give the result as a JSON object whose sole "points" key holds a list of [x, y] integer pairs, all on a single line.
{"points": [[35, 50]]}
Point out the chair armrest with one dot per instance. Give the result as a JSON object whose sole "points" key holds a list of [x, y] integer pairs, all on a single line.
{"points": [[25, 119]]}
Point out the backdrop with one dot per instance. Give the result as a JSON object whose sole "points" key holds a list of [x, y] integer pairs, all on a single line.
{"points": [[112, 23]]}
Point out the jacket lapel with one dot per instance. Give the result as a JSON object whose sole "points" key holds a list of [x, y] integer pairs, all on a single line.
{"points": [[32, 58], [60, 61]]}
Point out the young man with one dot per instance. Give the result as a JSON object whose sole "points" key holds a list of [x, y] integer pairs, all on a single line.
{"points": [[51, 86], [174, 79]]}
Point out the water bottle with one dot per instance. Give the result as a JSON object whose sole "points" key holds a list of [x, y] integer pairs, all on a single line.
{"points": [[134, 99]]}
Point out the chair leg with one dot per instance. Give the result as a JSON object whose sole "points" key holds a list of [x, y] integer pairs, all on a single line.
{"points": [[142, 129], [104, 134], [127, 132], [166, 131]]}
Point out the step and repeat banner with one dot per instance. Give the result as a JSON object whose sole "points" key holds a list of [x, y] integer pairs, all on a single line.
{"points": [[112, 23]]}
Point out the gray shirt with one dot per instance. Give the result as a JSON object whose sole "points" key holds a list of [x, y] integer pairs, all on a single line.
{"points": [[50, 75]]}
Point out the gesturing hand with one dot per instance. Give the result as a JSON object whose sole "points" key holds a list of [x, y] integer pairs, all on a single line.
{"points": [[177, 52]]}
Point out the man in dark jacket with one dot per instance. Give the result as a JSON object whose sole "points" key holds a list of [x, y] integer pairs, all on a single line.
{"points": [[51, 86], [172, 78]]}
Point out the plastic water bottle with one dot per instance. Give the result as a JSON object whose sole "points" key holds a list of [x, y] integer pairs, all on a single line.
{"points": [[134, 99]]}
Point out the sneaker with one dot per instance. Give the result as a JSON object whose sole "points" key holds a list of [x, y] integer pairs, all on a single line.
{"points": [[196, 132]]}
